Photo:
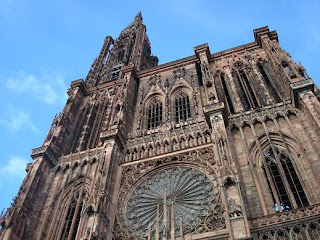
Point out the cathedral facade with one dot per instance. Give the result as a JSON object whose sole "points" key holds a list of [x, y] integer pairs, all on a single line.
{"points": [[218, 145]]}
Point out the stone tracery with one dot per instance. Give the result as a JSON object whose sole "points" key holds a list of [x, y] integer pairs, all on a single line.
{"points": [[187, 191], [101, 141], [204, 158]]}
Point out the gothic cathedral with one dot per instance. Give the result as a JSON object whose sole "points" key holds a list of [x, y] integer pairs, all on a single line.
{"points": [[218, 145]]}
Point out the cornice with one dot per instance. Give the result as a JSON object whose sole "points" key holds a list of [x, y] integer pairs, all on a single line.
{"points": [[192, 59], [167, 66], [105, 85], [177, 63], [225, 53], [164, 155]]}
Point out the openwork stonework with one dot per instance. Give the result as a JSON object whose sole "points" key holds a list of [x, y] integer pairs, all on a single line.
{"points": [[171, 193], [212, 146], [185, 194]]}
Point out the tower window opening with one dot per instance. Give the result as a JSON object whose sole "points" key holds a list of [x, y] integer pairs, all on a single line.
{"points": [[115, 72], [250, 90], [268, 82], [226, 92], [120, 55], [154, 114], [303, 74], [105, 57], [288, 70], [284, 64], [245, 98], [182, 108]]}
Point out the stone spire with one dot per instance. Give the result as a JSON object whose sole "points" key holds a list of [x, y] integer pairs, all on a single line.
{"points": [[131, 47], [138, 17]]}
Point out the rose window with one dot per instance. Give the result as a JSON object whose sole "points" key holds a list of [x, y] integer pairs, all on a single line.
{"points": [[188, 192]]}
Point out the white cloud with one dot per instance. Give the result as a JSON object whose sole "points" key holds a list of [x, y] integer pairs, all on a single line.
{"points": [[47, 88], [12, 169], [18, 120]]}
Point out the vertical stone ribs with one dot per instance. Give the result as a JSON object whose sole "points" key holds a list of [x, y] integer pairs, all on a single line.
{"points": [[131, 47]]}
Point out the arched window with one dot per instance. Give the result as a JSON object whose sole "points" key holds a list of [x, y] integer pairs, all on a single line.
{"points": [[247, 92], [154, 114], [182, 107], [226, 92], [264, 74], [120, 55], [72, 218], [280, 172]]}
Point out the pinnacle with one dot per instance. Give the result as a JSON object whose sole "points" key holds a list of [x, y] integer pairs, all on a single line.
{"points": [[138, 17]]}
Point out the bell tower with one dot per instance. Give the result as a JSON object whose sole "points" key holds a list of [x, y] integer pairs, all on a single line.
{"points": [[71, 188], [211, 146], [131, 47]]}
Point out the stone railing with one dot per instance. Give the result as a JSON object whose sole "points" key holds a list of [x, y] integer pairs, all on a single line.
{"points": [[279, 218], [86, 155], [302, 84], [261, 113]]}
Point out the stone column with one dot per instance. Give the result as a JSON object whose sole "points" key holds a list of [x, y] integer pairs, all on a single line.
{"points": [[232, 199]]}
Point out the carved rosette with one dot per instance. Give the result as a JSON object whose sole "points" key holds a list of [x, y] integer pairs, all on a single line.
{"points": [[187, 180]]}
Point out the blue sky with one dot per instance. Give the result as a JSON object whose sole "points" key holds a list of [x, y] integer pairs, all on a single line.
{"points": [[46, 44]]}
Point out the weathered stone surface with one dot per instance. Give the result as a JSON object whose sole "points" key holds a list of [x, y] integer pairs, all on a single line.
{"points": [[243, 124]]}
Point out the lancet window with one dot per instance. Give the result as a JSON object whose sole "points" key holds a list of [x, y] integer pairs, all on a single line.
{"points": [[182, 107], [154, 117], [247, 92], [72, 218], [283, 181], [120, 55], [116, 72], [227, 94], [249, 89], [268, 82]]}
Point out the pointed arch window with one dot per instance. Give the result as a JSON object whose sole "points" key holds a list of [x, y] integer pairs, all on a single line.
{"points": [[72, 217], [264, 74], [226, 93], [283, 182], [120, 55], [247, 93], [154, 113], [182, 107]]}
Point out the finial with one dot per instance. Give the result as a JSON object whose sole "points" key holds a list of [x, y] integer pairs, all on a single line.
{"points": [[157, 223], [181, 228], [172, 230], [149, 232], [138, 18]]}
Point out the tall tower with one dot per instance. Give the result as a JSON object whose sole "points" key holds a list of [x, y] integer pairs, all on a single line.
{"points": [[211, 146], [68, 176], [131, 47]]}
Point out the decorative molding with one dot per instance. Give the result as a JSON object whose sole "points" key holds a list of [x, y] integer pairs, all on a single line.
{"points": [[261, 114], [202, 159], [113, 133], [301, 85], [211, 108], [285, 217], [46, 153]]}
